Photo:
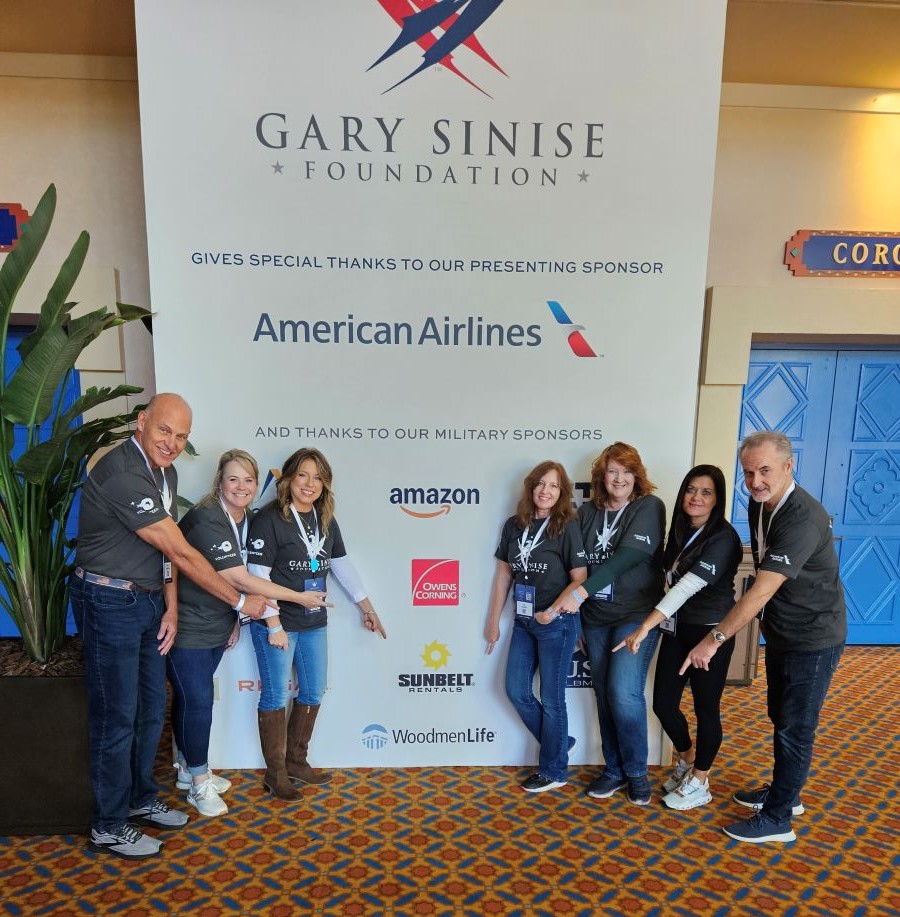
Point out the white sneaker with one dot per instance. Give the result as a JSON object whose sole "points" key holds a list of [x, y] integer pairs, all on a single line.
{"points": [[677, 776], [184, 781], [689, 794], [204, 798]]}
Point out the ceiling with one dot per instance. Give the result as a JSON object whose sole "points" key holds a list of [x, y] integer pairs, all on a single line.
{"points": [[789, 42]]}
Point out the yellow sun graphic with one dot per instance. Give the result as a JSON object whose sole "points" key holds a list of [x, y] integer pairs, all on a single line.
{"points": [[435, 655]]}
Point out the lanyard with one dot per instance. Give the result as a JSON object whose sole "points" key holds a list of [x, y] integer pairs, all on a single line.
{"points": [[240, 536], [313, 542], [608, 530], [164, 494], [670, 574], [760, 537], [526, 546]]}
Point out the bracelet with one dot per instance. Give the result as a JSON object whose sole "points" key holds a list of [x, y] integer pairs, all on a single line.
{"points": [[275, 630], [240, 603], [578, 598]]}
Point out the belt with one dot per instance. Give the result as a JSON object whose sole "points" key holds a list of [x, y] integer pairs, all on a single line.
{"points": [[111, 581]]}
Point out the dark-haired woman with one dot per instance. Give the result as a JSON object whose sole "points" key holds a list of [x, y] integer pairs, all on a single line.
{"points": [[622, 527], [540, 551], [217, 526], [701, 559], [296, 542]]}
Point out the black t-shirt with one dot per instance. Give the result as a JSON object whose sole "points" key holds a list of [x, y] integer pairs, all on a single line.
{"points": [[715, 561], [119, 498], [549, 562], [276, 543], [205, 622], [808, 610], [640, 526]]}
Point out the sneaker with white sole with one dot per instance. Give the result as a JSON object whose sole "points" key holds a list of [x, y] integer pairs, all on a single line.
{"points": [[605, 785], [756, 799], [760, 829], [538, 783], [206, 800], [184, 781], [158, 815], [126, 842], [689, 794], [679, 772]]}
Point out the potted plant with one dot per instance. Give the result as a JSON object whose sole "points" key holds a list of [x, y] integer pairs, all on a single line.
{"points": [[39, 481]]}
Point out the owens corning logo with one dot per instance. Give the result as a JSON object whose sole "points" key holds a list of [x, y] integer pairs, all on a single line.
{"points": [[435, 582], [456, 19], [578, 345], [443, 498]]}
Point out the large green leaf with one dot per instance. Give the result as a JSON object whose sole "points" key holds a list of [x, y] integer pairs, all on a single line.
{"points": [[93, 398], [29, 396], [55, 305], [18, 263]]}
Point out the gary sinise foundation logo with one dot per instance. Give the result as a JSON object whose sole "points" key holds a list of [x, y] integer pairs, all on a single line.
{"points": [[439, 29]]}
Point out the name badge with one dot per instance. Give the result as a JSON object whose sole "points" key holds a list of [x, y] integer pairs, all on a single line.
{"points": [[605, 594], [314, 584], [525, 597], [668, 626], [167, 571]]}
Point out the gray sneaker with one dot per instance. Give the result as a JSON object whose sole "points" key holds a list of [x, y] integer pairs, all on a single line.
{"points": [[158, 815], [126, 841], [676, 778]]}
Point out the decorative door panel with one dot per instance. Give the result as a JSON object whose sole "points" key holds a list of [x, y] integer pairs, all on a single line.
{"points": [[789, 391], [862, 490]]}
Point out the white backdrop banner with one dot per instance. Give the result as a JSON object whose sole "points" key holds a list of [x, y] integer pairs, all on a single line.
{"points": [[440, 242]]}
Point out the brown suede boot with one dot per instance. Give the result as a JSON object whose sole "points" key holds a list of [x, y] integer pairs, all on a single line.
{"points": [[299, 732], [271, 737]]}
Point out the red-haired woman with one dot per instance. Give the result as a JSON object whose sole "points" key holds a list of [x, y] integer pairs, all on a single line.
{"points": [[540, 551], [622, 527]]}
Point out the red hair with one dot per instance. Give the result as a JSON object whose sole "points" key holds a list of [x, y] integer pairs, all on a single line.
{"points": [[630, 459]]}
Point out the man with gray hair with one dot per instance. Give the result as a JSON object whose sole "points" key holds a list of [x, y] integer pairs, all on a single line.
{"points": [[804, 621], [124, 600]]}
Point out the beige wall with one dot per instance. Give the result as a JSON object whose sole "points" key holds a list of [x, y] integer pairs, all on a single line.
{"points": [[792, 158], [74, 122]]}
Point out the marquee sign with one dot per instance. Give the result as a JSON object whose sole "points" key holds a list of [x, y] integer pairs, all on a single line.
{"points": [[837, 253]]}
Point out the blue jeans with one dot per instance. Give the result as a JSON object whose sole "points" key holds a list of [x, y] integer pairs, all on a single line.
{"points": [[619, 680], [191, 673], [546, 648], [126, 682], [307, 652], [797, 685]]}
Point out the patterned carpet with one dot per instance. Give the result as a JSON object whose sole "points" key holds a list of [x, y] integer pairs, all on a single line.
{"points": [[467, 841]]}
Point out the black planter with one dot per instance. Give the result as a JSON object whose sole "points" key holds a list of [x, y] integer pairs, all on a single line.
{"points": [[44, 767]]}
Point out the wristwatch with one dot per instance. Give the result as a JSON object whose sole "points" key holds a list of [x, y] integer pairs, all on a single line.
{"points": [[718, 636]]}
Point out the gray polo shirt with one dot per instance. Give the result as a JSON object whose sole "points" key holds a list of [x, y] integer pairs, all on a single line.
{"points": [[119, 498]]}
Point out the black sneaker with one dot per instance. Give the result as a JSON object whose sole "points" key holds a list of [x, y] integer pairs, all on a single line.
{"points": [[126, 842], [760, 829], [756, 799], [639, 790], [538, 783], [605, 785], [158, 815]]}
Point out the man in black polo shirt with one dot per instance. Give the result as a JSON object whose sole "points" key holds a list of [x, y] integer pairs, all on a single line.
{"points": [[124, 600], [804, 622]]}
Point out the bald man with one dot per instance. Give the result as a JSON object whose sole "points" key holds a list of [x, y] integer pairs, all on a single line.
{"points": [[125, 604]]}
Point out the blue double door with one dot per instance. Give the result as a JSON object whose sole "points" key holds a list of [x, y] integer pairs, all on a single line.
{"points": [[841, 410]]}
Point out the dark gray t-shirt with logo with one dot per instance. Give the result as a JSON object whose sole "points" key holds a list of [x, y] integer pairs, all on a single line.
{"points": [[549, 562], [205, 622], [275, 542], [119, 498], [808, 611], [640, 526], [715, 561]]}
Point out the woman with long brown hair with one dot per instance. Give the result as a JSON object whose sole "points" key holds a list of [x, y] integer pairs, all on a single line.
{"points": [[540, 550], [295, 541]]}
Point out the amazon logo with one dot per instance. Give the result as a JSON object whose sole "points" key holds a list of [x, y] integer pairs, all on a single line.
{"points": [[430, 502]]}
